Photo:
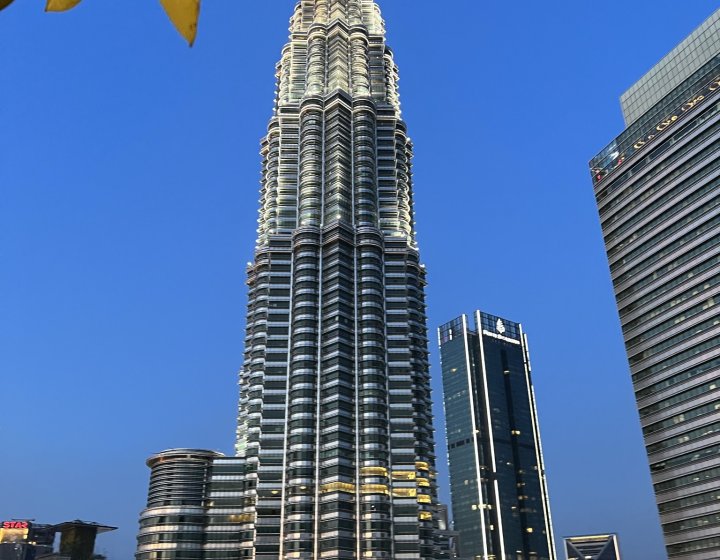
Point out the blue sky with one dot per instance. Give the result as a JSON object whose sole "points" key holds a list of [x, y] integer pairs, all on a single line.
{"points": [[129, 176]]}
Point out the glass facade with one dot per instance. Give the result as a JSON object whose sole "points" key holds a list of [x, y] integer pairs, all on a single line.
{"points": [[334, 449], [497, 479], [675, 68], [660, 213]]}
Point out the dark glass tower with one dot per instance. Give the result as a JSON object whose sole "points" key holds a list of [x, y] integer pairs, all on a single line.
{"points": [[335, 439], [657, 187], [497, 478]]}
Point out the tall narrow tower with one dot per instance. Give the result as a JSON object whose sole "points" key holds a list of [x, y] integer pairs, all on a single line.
{"points": [[497, 476], [334, 420], [335, 440]]}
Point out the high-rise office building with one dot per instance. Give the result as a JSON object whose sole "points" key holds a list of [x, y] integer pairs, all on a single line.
{"points": [[497, 478], [592, 547], [657, 187], [334, 445]]}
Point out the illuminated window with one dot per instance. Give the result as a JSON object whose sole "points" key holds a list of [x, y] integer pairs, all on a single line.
{"points": [[337, 487], [374, 489], [373, 471], [403, 475]]}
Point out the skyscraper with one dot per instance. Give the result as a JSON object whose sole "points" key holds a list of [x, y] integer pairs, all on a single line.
{"points": [[658, 194], [497, 477], [335, 440]]}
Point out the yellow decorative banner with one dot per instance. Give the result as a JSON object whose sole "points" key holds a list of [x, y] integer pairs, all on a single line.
{"points": [[184, 15]]}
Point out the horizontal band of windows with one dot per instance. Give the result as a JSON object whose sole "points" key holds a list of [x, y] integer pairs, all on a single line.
{"points": [[691, 352], [710, 497], [676, 207], [673, 321], [686, 458], [658, 273], [673, 248], [669, 285], [690, 332], [651, 242], [685, 437], [679, 398], [694, 545], [685, 416]]}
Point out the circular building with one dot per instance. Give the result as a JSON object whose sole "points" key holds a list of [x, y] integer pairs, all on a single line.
{"points": [[172, 525]]}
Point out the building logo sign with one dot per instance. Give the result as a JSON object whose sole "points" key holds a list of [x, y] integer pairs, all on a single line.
{"points": [[684, 108], [617, 158], [15, 525], [500, 326]]}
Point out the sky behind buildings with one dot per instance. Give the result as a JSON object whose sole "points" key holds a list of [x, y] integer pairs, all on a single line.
{"points": [[129, 174]]}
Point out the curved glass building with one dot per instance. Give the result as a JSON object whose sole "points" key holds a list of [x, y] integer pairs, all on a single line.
{"points": [[173, 523], [335, 439]]}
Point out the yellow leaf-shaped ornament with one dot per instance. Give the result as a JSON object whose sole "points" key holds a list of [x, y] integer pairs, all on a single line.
{"points": [[5, 3], [60, 5], [184, 14]]}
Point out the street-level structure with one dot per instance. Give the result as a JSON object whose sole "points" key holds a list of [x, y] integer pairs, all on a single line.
{"points": [[657, 187], [592, 547]]}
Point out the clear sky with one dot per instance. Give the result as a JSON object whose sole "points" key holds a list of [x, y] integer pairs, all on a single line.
{"points": [[129, 176]]}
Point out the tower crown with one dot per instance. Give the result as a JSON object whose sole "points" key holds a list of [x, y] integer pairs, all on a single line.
{"points": [[364, 13], [336, 148], [336, 45]]}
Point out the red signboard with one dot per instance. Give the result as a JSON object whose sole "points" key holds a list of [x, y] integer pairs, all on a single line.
{"points": [[15, 525], [14, 531]]}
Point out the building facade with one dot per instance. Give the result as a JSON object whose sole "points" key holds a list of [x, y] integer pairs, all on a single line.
{"points": [[657, 187], [592, 547], [334, 452], [26, 540], [497, 477], [174, 522], [445, 537]]}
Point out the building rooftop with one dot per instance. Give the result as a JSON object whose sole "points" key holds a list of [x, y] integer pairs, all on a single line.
{"points": [[674, 68], [60, 527]]}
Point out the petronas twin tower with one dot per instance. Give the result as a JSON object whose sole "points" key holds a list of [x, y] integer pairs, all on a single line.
{"points": [[334, 454]]}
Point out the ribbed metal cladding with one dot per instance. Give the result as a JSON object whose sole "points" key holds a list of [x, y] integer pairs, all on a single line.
{"points": [[335, 426], [658, 193], [172, 525]]}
